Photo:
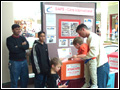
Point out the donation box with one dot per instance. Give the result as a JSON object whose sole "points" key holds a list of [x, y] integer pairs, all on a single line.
{"points": [[113, 60], [72, 69]]}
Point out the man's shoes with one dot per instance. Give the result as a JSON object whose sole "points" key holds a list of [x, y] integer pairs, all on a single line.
{"points": [[86, 85], [94, 86]]}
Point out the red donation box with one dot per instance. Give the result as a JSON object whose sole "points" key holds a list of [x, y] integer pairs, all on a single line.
{"points": [[72, 69], [113, 60]]}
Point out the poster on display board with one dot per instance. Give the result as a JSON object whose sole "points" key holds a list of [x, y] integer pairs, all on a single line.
{"points": [[71, 42], [64, 53], [67, 28], [51, 39], [63, 42], [51, 30], [88, 23], [50, 19]]}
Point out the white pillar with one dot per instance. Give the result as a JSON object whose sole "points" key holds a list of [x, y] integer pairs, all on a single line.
{"points": [[7, 21], [104, 12]]}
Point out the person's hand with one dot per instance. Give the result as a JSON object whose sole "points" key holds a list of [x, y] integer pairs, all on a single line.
{"points": [[69, 58], [74, 56], [24, 43], [63, 86], [61, 59], [16, 46]]}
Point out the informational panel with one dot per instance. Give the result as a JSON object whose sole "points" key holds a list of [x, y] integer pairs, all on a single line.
{"points": [[67, 28], [113, 60], [60, 21]]}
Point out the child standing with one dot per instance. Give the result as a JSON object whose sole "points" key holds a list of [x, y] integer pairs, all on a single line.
{"points": [[40, 61], [90, 65], [53, 78]]}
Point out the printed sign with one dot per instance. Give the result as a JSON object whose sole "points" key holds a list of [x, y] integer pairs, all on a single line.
{"points": [[113, 62], [69, 10], [64, 52], [72, 70]]}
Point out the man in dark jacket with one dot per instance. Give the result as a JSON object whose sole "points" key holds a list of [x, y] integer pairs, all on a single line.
{"points": [[17, 61], [40, 61]]}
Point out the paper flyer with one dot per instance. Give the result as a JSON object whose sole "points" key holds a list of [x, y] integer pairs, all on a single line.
{"points": [[71, 42], [63, 42], [88, 23], [64, 53], [51, 30], [50, 19], [51, 39]]}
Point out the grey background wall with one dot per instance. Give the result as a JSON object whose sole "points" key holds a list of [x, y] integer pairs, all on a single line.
{"points": [[7, 21], [54, 46]]}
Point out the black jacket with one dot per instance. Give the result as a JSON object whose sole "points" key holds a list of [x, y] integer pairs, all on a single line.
{"points": [[40, 58], [16, 49]]}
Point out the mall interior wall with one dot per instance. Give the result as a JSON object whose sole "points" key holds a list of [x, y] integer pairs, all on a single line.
{"points": [[7, 21], [113, 9]]}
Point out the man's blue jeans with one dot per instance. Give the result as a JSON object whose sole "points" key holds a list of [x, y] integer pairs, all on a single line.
{"points": [[40, 80], [103, 75], [18, 69]]}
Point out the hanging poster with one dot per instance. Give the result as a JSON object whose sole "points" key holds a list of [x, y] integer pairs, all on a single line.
{"points": [[50, 19], [51, 39], [64, 53], [51, 30], [71, 42], [63, 42], [88, 23], [67, 28]]}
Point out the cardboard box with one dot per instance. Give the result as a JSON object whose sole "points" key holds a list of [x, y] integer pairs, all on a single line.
{"points": [[113, 60], [111, 80], [72, 69]]}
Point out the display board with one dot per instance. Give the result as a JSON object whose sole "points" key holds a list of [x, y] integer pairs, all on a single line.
{"points": [[61, 19]]}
